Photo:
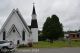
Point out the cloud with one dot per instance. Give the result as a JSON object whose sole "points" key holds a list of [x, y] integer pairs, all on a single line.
{"points": [[67, 11]]}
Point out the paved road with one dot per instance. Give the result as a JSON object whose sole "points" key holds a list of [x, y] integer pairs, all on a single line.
{"points": [[60, 50], [51, 50], [27, 51]]}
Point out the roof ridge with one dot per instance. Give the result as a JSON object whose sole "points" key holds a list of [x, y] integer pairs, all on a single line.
{"points": [[22, 19]]}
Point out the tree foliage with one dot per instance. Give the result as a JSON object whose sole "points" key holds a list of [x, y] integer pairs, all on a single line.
{"points": [[52, 28]]}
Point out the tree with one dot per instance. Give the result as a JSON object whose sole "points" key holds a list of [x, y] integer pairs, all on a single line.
{"points": [[52, 28], [46, 26]]}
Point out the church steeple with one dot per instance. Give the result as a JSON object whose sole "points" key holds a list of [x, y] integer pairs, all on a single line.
{"points": [[34, 26], [34, 12], [34, 23]]}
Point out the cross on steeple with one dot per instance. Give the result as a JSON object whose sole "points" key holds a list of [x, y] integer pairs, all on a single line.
{"points": [[33, 3]]}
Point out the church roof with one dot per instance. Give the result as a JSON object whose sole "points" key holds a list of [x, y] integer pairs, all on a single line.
{"points": [[20, 16], [25, 24], [34, 24]]}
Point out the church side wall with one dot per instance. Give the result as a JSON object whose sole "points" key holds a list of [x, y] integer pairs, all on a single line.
{"points": [[1, 37], [14, 36], [34, 34], [26, 38]]}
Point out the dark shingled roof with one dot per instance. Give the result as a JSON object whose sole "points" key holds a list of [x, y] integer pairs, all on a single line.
{"points": [[34, 24], [29, 27], [34, 12]]}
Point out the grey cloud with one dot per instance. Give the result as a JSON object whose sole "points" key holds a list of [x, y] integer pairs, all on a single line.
{"points": [[67, 11]]}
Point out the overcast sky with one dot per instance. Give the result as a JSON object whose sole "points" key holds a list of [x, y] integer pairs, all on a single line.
{"points": [[68, 11]]}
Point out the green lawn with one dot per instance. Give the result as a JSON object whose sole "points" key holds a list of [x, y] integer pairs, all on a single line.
{"points": [[56, 44]]}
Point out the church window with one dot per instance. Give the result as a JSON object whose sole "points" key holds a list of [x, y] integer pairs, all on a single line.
{"points": [[18, 42], [23, 35], [4, 35], [13, 30]]}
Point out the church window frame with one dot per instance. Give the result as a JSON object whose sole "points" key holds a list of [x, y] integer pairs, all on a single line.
{"points": [[23, 35], [4, 35]]}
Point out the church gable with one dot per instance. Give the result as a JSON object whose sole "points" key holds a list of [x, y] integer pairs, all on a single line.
{"points": [[16, 19]]}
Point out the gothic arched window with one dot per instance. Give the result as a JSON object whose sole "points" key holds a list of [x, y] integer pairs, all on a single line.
{"points": [[4, 35], [23, 35], [13, 30]]}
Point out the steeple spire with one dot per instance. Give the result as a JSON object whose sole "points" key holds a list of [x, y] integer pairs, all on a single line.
{"points": [[34, 23], [34, 12]]}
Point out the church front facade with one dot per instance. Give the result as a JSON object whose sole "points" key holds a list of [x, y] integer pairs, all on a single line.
{"points": [[16, 29]]}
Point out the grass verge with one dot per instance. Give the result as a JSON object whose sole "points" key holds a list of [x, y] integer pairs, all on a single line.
{"points": [[56, 44]]}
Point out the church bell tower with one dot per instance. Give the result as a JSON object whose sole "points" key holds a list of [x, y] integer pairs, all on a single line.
{"points": [[34, 26]]}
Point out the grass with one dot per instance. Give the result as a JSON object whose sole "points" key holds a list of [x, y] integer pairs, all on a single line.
{"points": [[56, 44]]}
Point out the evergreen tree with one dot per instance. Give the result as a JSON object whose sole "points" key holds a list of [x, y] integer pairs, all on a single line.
{"points": [[46, 26], [52, 28]]}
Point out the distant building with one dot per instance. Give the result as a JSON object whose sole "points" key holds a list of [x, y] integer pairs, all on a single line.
{"points": [[74, 36]]}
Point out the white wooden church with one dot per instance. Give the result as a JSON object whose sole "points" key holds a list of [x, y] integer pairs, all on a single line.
{"points": [[16, 29]]}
